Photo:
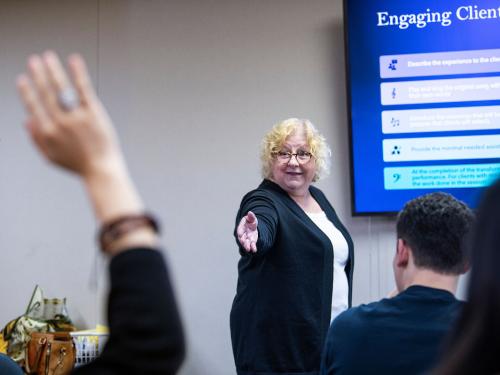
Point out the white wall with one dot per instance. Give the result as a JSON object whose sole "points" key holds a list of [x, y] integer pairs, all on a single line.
{"points": [[192, 86]]}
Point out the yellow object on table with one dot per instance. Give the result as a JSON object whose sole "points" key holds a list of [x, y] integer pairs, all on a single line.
{"points": [[3, 345]]}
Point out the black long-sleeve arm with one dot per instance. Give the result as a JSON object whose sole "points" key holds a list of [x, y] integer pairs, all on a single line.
{"points": [[146, 335], [262, 206]]}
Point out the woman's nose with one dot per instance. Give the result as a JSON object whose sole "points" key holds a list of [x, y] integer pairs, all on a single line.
{"points": [[293, 160]]}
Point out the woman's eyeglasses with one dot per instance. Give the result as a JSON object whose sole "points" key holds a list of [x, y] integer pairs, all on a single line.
{"points": [[302, 157]]}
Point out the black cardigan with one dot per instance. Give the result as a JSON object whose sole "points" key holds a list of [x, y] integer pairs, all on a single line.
{"points": [[146, 334], [282, 309]]}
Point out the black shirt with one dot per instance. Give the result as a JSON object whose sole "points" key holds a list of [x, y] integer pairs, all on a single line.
{"points": [[400, 335], [146, 334]]}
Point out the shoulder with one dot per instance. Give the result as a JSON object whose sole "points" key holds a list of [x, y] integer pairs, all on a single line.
{"points": [[354, 329], [321, 198], [346, 322], [316, 191], [345, 330], [261, 201], [258, 193], [267, 191], [457, 306], [358, 318], [258, 196]]}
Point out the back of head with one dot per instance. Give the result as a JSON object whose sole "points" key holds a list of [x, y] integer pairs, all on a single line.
{"points": [[435, 226]]}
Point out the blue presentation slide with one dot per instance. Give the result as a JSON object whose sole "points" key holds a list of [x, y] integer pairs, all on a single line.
{"points": [[424, 95]]}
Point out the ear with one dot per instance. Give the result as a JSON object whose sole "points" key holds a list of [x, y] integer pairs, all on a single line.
{"points": [[466, 267], [402, 253]]}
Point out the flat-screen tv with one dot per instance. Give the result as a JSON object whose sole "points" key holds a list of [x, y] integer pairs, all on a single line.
{"points": [[423, 81]]}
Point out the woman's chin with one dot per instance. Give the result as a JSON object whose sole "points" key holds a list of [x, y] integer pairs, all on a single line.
{"points": [[295, 186]]}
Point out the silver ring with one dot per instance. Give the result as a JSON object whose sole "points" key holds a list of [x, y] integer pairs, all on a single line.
{"points": [[68, 99]]}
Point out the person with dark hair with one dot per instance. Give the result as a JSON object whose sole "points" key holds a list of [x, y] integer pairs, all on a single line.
{"points": [[474, 343], [71, 128], [403, 334]]}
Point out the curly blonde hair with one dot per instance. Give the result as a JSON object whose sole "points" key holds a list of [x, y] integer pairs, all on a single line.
{"points": [[273, 142]]}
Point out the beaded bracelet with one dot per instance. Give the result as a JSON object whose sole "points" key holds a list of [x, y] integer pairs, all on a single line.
{"points": [[117, 228]]}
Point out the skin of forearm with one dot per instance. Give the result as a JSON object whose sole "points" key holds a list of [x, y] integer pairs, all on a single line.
{"points": [[112, 194]]}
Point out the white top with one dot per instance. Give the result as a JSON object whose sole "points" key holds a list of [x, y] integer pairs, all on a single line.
{"points": [[340, 292]]}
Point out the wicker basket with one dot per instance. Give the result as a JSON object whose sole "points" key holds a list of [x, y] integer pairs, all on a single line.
{"points": [[89, 346]]}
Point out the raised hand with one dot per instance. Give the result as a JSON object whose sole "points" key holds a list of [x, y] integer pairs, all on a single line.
{"points": [[247, 232], [70, 127]]}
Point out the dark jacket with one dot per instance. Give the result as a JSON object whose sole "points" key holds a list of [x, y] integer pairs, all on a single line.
{"points": [[146, 334], [400, 335], [282, 309]]}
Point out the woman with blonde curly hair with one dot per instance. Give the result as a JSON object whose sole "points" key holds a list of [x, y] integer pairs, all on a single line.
{"points": [[295, 270]]}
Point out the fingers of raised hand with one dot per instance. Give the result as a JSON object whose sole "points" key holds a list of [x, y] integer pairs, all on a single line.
{"points": [[46, 93], [54, 88], [55, 71], [68, 98], [38, 121], [81, 77]]}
